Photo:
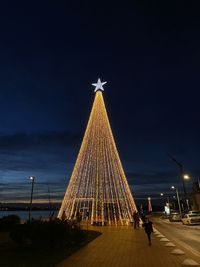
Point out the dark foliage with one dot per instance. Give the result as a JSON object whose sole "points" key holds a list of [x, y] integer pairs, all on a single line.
{"points": [[42, 244], [53, 234], [8, 222]]}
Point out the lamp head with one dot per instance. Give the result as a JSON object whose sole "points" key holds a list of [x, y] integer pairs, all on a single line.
{"points": [[186, 176]]}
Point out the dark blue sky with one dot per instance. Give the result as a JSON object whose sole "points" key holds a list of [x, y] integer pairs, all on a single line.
{"points": [[51, 52]]}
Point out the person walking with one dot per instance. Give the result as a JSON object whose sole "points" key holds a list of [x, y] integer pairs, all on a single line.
{"points": [[136, 219], [148, 229]]}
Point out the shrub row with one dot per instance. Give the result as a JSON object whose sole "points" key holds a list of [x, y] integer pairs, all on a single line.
{"points": [[8, 222], [52, 234]]}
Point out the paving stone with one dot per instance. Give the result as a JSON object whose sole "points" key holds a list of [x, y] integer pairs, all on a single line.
{"points": [[177, 251], [169, 244], [164, 239], [122, 247], [189, 262]]}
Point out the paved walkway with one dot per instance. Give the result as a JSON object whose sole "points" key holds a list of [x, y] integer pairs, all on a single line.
{"points": [[123, 247]]}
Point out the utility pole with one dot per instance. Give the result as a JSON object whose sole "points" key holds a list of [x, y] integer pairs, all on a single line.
{"points": [[181, 174], [32, 178], [179, 205], [198, 181]]}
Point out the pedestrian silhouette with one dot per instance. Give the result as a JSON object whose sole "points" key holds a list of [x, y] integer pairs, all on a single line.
{"points": [[136, 219], [148, 229]]}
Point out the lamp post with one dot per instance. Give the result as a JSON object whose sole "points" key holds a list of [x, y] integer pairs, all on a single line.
{"points": [[149, 205], [181, 174], [183, 178], [161, 194], [168, 203], [32, 178], [177, 194], [187, 177], [198, 181]]}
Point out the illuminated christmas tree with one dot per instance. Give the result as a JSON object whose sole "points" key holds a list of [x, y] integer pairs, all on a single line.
{"points": [[98, 190]]}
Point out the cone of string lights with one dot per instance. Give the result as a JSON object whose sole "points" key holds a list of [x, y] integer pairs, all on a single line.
{"points": [[98, 191]]}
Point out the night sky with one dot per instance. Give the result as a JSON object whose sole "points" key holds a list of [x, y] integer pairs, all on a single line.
{"points": [[51, 52]]}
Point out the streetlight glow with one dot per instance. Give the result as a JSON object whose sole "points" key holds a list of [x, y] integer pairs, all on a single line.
{"points": [[161, 194], [172, 187], [186, 176]]}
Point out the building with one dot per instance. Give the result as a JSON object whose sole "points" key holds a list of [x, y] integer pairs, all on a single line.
{"points": [[196, 196]]}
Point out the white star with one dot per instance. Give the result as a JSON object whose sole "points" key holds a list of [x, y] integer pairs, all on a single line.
{"points": [[99, 85]]}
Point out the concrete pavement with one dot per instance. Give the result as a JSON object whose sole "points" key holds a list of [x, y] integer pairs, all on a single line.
{"points": [[124, 247]]}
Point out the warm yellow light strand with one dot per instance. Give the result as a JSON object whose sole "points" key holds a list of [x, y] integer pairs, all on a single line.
{"points": [[98, 182]]}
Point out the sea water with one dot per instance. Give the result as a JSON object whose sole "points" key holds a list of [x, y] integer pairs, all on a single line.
{"points": [[35, 214]]}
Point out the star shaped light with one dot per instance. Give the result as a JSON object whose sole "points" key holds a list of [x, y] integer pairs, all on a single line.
{"points": [[99, 85]]}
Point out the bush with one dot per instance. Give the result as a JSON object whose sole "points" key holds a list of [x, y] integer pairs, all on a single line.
{"points": [[8, 222], [50, 235]]}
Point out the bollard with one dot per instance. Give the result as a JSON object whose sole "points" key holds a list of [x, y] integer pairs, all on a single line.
{"points": [[189, 262], [177, 252]]}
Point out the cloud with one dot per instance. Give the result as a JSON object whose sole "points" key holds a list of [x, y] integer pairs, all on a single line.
{"points": [[153, 177], [52, 151], [42, 191], [153, 183], [22, 141], [51, 156]]}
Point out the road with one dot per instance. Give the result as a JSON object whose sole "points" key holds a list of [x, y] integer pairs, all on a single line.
{"points": [[185, 236]]}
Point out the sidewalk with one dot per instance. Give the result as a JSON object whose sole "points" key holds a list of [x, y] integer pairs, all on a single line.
{"points": [[123, 247]]}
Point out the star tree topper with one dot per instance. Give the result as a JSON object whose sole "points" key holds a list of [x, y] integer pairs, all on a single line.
{"points": [[98, 85]]}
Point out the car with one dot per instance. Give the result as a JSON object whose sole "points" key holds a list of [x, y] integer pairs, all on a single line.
{"points": [[174, 217], [191, 218]]}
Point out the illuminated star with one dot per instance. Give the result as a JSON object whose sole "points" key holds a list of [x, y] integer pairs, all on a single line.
{"points": [[99, 85]]}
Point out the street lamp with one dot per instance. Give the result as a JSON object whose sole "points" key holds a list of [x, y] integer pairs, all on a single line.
{"points": [[149, 205], [32, 178], [183, 177], [181, 173], [177, 194], [198, 181], [186, 177], [168, 204]]}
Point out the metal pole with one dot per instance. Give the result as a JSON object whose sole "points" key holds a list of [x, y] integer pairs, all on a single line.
{"points": [[183, 181], [30, 206], [179, 206], [87, 213], [181, 174], [198, 183], [187, 203], [168, 203]]}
